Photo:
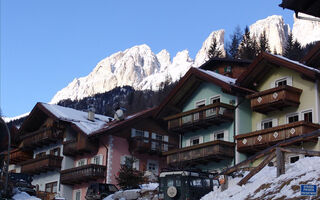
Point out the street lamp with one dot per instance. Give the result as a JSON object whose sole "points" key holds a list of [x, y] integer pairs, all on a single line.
{"points": [[4, 128]]}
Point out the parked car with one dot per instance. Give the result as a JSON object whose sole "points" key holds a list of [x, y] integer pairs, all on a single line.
{"points": [[185, 185], [98, 191], [22, 182]]}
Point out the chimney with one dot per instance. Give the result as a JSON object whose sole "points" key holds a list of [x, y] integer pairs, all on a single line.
{"points": [[91, 111], [119, 115]]}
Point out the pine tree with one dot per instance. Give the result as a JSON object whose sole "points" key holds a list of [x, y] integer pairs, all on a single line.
{"points": [[248, 46], [293, 49], [214, 51], [129, 178], [263, 43], [233, 46]]}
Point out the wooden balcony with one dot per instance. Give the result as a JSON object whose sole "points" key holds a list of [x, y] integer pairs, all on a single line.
{"points": [[213, 114], [45, 195], [41, 138], [73, 147], [18, 156], [41, 164], [259, 140], [200, 154], [275, 99], [140, 144], [82, 174]]}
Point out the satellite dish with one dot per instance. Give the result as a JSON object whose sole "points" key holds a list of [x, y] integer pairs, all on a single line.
{"points": [[118, 115]]}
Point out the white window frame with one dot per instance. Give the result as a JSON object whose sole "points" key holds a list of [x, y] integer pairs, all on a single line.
{"points": [[135, 164], [194, 138], [197, 103], [83, 159], [214, 98], [307, 111], [291, 115], [287, 78], [75, 193], [100, 159], [265, 121], [156, 163], [289, 158]]}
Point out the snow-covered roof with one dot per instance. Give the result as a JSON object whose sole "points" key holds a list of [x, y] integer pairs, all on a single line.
{"points": [[78, 118], [298, 63], [219, 76]]}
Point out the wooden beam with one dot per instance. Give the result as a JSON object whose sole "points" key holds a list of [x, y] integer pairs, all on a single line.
{"points": [[280, 162], [301, 151], [257, 169]]}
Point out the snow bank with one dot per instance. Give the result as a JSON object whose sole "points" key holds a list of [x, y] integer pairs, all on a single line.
{"points": [[265, 184], [24, 196], [147, 191]]}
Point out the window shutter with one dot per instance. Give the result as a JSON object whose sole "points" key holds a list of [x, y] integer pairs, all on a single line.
{"points": [[136, 164], [154, 136], [259, 126], [133, 132], [85, 161], [274, 122], [289, 80], [226, 135], [165, 147], [273, 84], [187, 142], [166, 138], [200, 139], [146, 134], [211, 136]]}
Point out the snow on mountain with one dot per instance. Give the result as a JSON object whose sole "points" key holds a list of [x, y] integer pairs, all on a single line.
{"points": [[140, 68], [305, 31], [276, 32], [202, 55]]}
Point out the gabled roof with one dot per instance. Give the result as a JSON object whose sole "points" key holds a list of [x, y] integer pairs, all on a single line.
{"points": [[190, 82], [313, 57], [77, 119], [128, 121], [310, 7], [263, 64]]}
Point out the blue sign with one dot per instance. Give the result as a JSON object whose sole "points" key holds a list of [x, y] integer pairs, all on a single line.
{"points": [[308, 190]]}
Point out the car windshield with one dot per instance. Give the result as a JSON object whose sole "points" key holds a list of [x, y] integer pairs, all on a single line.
{"points": [[112, 188]]}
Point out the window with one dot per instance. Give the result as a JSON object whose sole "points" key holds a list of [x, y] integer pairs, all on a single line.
{"points": [[281, 82], [227, 69], [200, 103], [195, 141], [293, 159], [219, 136], [153, 166], [130, 162], [51, 187], [307, 116], [55, 151], [215, 99], [266, 124], [97, 160], [81, 162], [159, 137], [293, 118], [77, 195]]}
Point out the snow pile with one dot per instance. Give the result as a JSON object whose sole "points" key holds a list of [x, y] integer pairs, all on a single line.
{"points": [[24, 196], [147, 192], [265, 184], [78, 118]]}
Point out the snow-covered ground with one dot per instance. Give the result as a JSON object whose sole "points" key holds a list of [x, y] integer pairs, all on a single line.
{"points": [[265, 184], [24, 196], [147, 192]]}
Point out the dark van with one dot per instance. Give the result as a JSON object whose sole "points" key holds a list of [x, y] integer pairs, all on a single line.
{"points": [[97, 191], [185, 185]]}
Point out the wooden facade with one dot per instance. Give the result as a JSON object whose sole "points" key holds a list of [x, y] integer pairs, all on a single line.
{"points": [[213, 114], [275, 99], [258, 140], [82, 174], [41, 138], [201, 153], [141, 144], [41, 164], [45, 195], [18, 156], [76, 147]]}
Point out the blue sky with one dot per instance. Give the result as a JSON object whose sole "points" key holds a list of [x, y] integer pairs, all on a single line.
{"points": [[46, 44]]}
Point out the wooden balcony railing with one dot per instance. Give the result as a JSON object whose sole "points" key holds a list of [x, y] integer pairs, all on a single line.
{"points": [[18, 156], [41, 164], [259, 140], [202, 117], [82, 174], [201, 153], [73, 147], [142, 144], [41, 138], [45, 195], [275, 98]]}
